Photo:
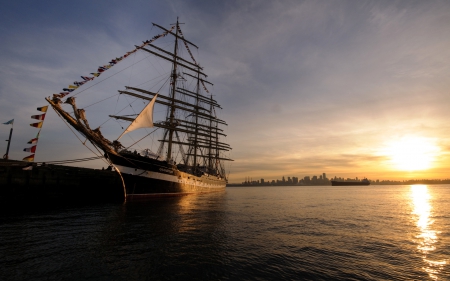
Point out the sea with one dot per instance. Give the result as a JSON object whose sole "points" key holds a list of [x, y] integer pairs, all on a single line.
{"points": [[399, 232]]}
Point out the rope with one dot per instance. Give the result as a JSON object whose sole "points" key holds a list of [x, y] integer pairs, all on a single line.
{"points": [[101, 157], [143, 138], [71, 160]]}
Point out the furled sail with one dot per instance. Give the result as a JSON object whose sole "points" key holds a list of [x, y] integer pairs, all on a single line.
{"points": [[143, 120]]}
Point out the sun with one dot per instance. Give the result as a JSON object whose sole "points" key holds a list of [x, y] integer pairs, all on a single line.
{"points": [[412, 153]]}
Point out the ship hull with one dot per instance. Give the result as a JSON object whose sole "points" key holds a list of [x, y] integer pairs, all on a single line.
{"points": [[348, 183], [149, 178]]}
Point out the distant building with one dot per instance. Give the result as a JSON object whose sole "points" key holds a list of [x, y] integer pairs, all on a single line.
{"points": [[307, 179]]}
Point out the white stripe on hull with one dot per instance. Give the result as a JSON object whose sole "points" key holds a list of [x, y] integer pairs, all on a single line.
{"points": [[187, 179]]}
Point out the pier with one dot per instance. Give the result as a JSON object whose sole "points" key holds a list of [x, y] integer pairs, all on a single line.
{"points": [[51, 184]]}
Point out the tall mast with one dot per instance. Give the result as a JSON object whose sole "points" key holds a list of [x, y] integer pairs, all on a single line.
{"points": [[196, 120], [210, 139], [172, 94]]}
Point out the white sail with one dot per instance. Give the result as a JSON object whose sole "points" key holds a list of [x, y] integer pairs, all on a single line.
{"points": [[143, 120]]}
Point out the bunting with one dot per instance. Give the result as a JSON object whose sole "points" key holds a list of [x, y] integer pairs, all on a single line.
{"points": [[186, 45], [113, 62], [192, 57], [30, 149], [43, 108], [204, 87], [29, 158], [33, 141], [9, 122], [37, 125], [38, 117]]}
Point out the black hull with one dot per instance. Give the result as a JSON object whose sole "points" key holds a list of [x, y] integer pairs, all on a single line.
{"points": [[349, 183], [145, 177]]}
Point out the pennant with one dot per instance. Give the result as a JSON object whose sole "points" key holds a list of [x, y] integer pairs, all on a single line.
{"points": [[9, 122], [39, 117], [43, 109], [33, 141], [96, 74], [30, 149], [29, 168], [29, 158], [79, 83], [37, 125], [87, 78], [68, 90], [72, 87], [60, 95]]}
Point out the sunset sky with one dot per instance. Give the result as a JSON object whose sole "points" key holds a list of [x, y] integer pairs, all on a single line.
{"points": [[346, 88]]}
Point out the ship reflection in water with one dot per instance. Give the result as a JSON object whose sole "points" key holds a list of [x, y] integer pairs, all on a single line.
{"points": [[427, 237]]}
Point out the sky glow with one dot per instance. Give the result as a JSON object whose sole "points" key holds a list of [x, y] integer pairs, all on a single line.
{"points": [[307, 87]]}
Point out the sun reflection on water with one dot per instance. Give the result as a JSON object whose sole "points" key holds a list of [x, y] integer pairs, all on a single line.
{"points": [[427, 237]]}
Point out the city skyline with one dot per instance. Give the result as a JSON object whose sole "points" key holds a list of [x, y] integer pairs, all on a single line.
{"points": [[343, 87]]}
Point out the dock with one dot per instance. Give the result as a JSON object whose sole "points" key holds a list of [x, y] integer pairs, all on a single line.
{"points": [[50, 184]]}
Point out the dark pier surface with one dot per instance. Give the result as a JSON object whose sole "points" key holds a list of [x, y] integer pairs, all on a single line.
{"points": [[56, 184]]}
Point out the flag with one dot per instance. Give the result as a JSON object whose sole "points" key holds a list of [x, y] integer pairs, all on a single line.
{"points": [[96, 74], [33, 141], [43, 109], [87, 78], [9, 122], [39, 117], [29, 158], [37, 125], [79, 83], [72, 87], [68, 90], [30, 149], [60, 95]]}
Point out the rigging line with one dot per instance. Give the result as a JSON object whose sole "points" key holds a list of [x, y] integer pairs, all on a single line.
{"points": [[110, 76], [162, 79], [101, 101], [161, 75], [78, 137], [119, 111], [117, 102], [143, 137], [71, 161], [131, 73]]}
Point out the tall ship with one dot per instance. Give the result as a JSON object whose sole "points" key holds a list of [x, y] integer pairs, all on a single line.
{"points": [[187, 153], [350, 183]]}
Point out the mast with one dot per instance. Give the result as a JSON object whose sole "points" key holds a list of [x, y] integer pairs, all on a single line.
{"points": [[196, 121], [210, 140], [172, 107], [6, 156]]}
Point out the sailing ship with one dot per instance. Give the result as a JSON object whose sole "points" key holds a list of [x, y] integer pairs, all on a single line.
{"points": [[190, 126]]}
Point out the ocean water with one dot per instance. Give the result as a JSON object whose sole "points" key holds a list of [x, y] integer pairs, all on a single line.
{"points": [[244, 233]]}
